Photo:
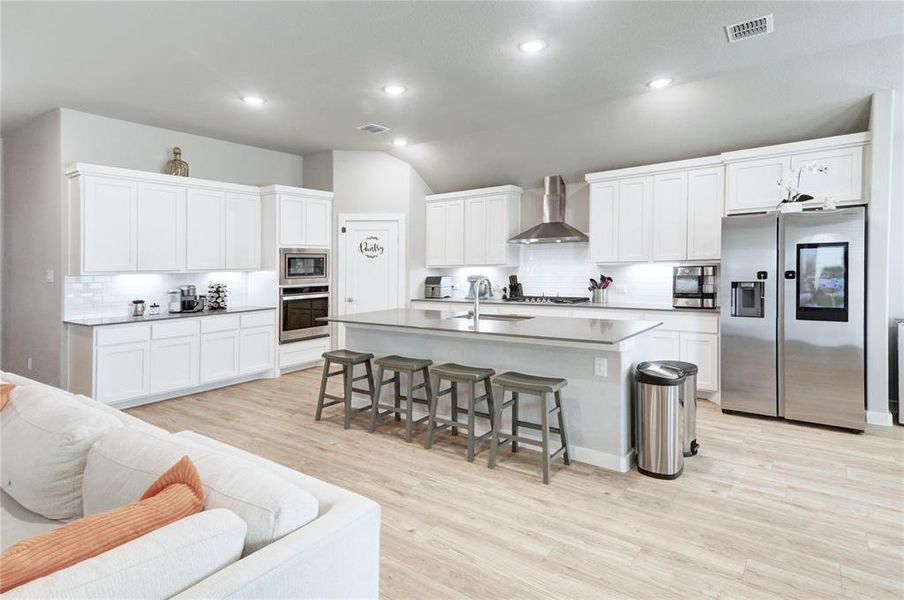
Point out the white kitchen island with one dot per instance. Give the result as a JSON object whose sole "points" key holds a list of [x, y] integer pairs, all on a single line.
{"points": [[596, 356]]}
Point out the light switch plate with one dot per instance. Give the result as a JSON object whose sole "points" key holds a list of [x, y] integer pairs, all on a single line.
{"points": [[48, 275], [600, 366]]}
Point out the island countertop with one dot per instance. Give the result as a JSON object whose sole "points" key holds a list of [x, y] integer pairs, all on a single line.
{"points": [[588, 331]]}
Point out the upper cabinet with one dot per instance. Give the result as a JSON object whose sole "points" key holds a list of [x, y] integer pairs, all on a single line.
{"points": [[303, 217], [705, 206], [472, 228], [125, 221], [752, 175]]}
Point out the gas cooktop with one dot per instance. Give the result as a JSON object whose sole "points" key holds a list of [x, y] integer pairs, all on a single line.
{"points": [[548, 299]]}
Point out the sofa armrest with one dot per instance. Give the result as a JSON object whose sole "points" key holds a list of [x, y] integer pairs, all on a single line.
{"points": [[335, 556]]}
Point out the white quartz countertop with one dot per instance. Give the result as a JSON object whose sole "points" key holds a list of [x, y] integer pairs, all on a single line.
{"points": [[594, 331], [163, 316], [588, 304]]}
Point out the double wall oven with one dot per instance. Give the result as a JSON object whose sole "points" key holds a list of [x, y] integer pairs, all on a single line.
{"points": [[304, 293]]}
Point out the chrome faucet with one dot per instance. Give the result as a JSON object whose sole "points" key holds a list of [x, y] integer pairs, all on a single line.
{"points": [[476, 281]]}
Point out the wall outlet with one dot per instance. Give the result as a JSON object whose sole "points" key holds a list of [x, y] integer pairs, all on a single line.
{"points": [[48, 275], [600, 366], [621, 289], [28, 363]]}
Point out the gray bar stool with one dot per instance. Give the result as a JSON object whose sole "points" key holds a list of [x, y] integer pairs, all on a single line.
{"points": [[408, 366], [469, 376], [520, 383], [347, 359]]}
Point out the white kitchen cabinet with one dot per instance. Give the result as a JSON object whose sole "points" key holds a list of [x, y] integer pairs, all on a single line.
{"points": [[161, 227], [206, 225], [174, 363], [219, 355], [843, 181], [243, 231], [291, 220], [604, 222], [257, 346], [705, 207], [109, 225], [635, 200], [702, 349], [445, 233], [122, 371], [476, 231], [753, 184], [317, 222], [304, 218], [666, 345], [501, 212], [669, 216]]}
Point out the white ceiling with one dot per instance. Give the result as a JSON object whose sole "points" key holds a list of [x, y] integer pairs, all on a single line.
{"points": [[478, 111]]}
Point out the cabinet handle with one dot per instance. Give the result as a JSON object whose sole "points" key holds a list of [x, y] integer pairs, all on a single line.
{"points": [[349, 299]]}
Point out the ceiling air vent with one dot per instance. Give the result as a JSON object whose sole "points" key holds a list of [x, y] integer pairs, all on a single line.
{"points": [[373, 128], [749, 29]]}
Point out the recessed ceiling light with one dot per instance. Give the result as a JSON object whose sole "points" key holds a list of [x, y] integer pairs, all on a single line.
{"points": [[394, 90], [399, 142], [660, 83], [531, 46], [253, 100]]}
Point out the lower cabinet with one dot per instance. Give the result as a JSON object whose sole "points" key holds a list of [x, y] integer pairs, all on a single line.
{"points": [[666, 345], [219, 355], [702, 349], [174, 363], [256, 349], [122, 371]]}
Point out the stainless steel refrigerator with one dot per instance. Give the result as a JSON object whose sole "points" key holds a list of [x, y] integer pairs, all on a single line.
{"points": [[792, 316]]}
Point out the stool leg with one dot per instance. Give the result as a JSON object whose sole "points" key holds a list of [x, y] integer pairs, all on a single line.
{"points": [[453, 403], [375, 412], [347, 376], [562, 435], [397, 387], [370, 380], [323, 377], [433, 401], [491, 410], [497, 422], [544, 428], [471, 394], [515, 402], [409, 407]]}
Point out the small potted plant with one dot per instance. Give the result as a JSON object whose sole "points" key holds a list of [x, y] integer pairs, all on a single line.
{"points": [[790, 185]]}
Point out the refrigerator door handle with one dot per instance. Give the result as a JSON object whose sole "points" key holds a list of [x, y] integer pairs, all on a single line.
{"points": [[790, 274]]}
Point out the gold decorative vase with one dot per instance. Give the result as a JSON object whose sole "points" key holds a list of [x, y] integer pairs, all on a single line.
{"points": [[177, 166]]}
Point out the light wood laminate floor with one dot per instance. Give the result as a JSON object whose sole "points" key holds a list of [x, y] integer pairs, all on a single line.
{"points": [[768, 509]]}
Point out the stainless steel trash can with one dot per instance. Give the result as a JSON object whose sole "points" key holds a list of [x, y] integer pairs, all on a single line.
{"points": [[659, 420], [689, 400]]}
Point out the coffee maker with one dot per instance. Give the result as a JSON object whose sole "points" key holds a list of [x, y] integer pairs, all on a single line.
{"points": [[186, 299]]}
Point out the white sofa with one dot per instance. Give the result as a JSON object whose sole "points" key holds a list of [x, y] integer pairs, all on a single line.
{"points": [[334, 555]]}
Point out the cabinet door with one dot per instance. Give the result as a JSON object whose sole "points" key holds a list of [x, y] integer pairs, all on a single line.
{"points": [[497, 233], [455, 232], [243, 231], [435, 241], [161, 227], [666, 345], [317, 222], [122, 372], [705, 193], [604, 222], [206, 230], [633, 218], [174, 363], [256, 349], [475, 231], [670, 216], [109, 225], [219, 355], [291, 221], [753, 184], [702, 349], [844, 179]]}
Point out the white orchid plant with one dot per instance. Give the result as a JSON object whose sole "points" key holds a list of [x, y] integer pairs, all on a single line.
{"points": [[790, 183]]}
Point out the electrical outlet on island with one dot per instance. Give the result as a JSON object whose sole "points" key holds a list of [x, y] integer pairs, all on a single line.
{"points": [[600, 366]]}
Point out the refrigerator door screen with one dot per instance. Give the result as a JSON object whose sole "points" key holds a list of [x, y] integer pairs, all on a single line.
{"points": [[822, 281]]}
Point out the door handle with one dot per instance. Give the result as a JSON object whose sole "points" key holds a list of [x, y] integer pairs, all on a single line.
{"points": [[349, 299]]}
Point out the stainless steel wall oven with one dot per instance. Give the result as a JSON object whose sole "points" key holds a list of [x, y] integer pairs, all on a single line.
{"points": [[299, 309]]}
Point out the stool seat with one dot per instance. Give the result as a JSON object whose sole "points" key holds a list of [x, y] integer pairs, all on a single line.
{"points": [[395, 362], [349, 357], [462, 372], [530, 383]]}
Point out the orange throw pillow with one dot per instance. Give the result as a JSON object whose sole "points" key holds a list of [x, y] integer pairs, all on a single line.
{"points": [[176, 494], [5, 389]]}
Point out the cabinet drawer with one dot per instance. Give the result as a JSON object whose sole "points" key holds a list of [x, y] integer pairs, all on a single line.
{"points": [[258, 319], [301, 353], [109, 336], [212, 324], [685, 321], [180, 328]]}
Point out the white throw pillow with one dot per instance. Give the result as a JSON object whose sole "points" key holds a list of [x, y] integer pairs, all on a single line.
{"points": [[44, 444], [123, 463], [159, 564]]}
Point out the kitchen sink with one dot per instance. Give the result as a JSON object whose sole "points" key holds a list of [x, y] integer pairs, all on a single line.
{"points": [[494, 317]]}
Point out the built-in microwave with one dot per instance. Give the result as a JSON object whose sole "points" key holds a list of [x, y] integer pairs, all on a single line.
{"points": [[303, 266]]}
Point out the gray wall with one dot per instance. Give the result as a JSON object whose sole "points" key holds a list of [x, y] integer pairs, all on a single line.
{"points": [[32, 238], [318, 171]]}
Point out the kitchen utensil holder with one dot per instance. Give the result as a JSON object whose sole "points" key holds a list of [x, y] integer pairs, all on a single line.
{"points": [[599, 296]]}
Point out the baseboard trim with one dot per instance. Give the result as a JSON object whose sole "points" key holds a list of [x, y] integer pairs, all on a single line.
{"points": [[598, 458], [879, 417]]}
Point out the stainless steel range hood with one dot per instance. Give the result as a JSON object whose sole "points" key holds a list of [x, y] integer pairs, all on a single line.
{"points": [[553, 229]]}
